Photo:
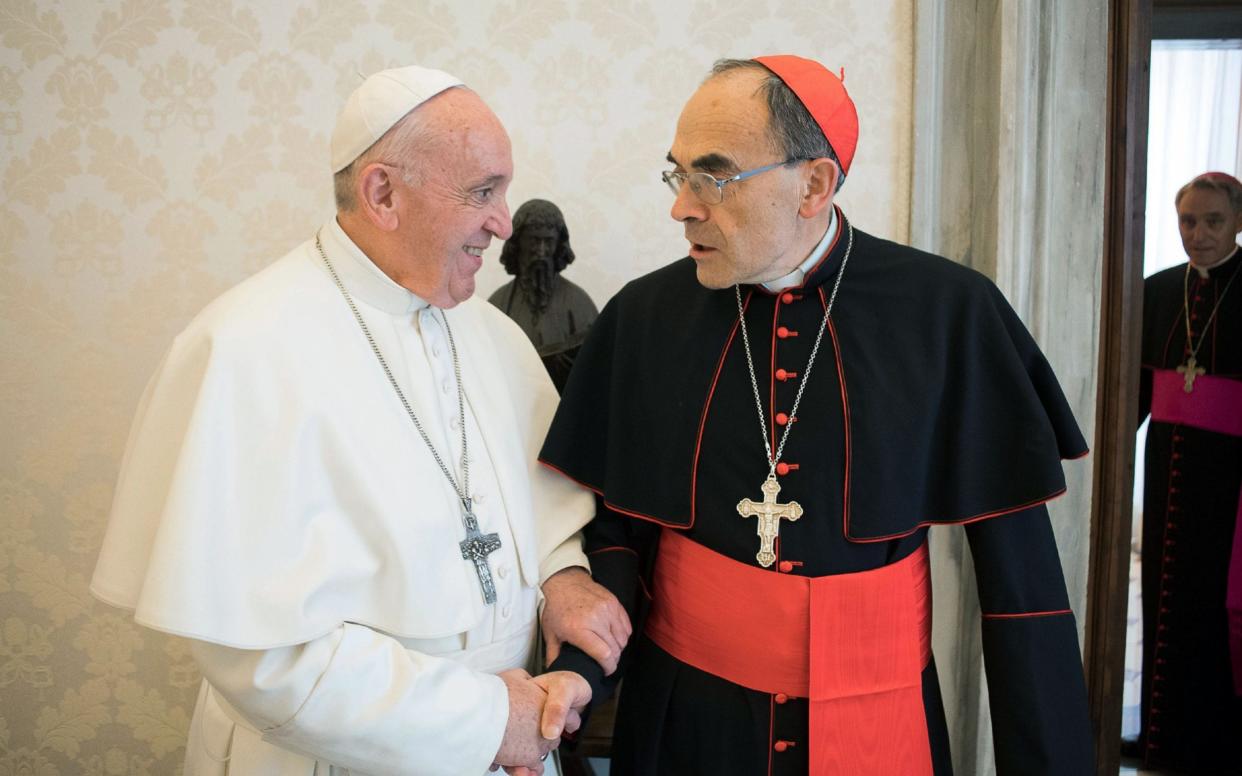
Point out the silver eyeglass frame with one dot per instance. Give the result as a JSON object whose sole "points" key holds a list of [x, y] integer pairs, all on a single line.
{"points": [[675, 180]]}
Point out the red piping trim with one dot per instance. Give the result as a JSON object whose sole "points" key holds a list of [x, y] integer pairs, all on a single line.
{"points": [[698, 443], [965, 521], [1083, 454], [643, 584], [1215, 323], [614, 549], [776, 314], [1022, 615], [845, 417], [1168, 340], [614, 507], [923, 524], [1157, 648]]}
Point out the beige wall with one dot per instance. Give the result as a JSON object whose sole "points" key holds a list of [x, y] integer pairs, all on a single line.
{"points": [[152, 154]]}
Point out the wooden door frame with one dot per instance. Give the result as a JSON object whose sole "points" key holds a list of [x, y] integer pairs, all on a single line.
{"points": [[1125, 187]]}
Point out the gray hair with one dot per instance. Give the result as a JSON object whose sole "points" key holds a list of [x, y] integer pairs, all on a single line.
{"points": [[1218, 182], [790, 126], [402, 143]]}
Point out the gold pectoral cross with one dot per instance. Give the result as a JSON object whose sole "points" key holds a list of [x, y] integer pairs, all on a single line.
{"points": [[769, 513], [1190, 371]]}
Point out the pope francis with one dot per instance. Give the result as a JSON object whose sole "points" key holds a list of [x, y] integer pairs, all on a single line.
{"points": [[331, 485]]}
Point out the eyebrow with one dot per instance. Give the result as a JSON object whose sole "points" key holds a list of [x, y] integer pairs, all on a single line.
{"points": [[491, 180], [1210, 214], [713, 162]]}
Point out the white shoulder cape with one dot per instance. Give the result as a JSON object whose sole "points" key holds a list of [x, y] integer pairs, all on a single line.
{"points": [[273, 488]]}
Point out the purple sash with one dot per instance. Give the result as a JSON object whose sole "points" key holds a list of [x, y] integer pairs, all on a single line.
{"points": [[1214, 405]]}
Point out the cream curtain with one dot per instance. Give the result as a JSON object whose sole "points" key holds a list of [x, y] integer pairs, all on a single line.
{"points": [[1196, 99]]}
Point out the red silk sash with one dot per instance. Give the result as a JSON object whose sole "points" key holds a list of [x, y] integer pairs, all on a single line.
{"points": [[854, 645], [1215, 404]]}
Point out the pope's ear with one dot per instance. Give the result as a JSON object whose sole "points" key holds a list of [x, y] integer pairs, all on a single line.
{"points": [[820, 182], [376, 196]]}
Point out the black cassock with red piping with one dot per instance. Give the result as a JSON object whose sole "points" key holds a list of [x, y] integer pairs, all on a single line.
{"points": [[1192, 718], [929, 403]]}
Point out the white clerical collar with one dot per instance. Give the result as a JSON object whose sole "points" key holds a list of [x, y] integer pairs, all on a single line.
{"points": [[361, 277], [796, 277], [1204, 271]]}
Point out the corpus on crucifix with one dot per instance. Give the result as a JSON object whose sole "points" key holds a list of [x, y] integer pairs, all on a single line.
{"points": [[770, 514]]}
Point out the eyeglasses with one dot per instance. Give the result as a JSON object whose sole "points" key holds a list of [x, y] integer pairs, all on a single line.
{"points": [[710, 189]]}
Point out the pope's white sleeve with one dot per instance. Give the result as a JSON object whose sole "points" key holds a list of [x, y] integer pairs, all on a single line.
{"points": [[567, 553], [357, 698]]}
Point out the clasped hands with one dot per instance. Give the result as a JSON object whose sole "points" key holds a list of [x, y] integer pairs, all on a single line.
{"points": [[579, 611], [540, 708]]}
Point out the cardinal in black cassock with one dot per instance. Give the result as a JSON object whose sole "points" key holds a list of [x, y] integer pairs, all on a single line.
{"points": [[766, 472], [1192, 505]]}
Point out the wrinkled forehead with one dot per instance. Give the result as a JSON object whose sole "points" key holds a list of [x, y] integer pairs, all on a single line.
{"points": [[460, 124], [725, 123]]}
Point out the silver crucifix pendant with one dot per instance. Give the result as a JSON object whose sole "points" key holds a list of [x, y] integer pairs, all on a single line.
{"points": [[476, 547]]}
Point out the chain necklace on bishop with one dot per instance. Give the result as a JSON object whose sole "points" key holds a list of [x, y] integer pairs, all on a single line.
{"points": [[768, 511], [1191, 369]]}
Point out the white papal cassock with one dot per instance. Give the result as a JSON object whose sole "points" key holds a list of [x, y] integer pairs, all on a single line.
{"points": [[277, 506]]}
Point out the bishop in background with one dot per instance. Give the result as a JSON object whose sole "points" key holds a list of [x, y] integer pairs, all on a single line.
{"points": [[330, 488], [1191, 385]]}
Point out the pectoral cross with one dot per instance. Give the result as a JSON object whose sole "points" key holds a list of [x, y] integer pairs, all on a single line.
{"points": [[476, 547], [769, 513], [1190, 371]]}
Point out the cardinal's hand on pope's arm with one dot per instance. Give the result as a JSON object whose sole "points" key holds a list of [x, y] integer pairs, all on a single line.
{"points": [[582, 612], [540, 708]]}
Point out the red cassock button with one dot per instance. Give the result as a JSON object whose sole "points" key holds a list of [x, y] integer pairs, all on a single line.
{"points": [[781, 746], [784, 332], [780, 697], [781, 418], [785, 567], [787, 297], [782, 375], [782, 468]]}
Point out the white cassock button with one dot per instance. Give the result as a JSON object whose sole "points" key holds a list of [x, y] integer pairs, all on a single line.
{"points": [[480, 497], [502, 572], [505, 612], [444, 385], [435, 350], [456, 424]]}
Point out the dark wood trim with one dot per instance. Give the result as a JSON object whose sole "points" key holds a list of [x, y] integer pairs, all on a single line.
{"points": [[1129, 58], [1199, 22]]}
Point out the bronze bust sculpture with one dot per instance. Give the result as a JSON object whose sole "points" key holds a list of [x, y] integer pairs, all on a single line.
{"points": [[554, 312]]}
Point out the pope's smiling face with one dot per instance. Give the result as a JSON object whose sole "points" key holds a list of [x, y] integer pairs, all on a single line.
{"points": [[453, 200]]}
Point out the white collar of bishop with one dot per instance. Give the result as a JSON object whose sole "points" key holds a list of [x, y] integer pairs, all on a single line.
{"points": [[362, 278], [796, 277]]}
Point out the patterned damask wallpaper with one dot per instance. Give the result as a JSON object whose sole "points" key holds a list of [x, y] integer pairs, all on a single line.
{"points": [[154, 152]]}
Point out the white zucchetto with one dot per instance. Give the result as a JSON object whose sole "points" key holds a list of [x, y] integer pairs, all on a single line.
{"points": [[380, 102]]}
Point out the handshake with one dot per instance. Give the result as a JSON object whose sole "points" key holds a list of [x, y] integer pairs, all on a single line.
{"points": [[579, 611], [540, 708]]}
